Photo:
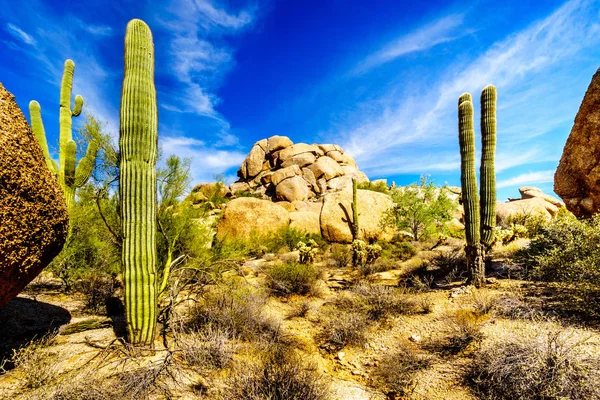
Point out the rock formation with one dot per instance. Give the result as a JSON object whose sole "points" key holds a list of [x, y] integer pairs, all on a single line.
{"points": [[33, 213], [577, 179], [278, 169], [532, 202]]}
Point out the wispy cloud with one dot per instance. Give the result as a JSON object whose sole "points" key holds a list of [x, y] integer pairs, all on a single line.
{"points": [[20, 34], [438, 32], [529, 178]]}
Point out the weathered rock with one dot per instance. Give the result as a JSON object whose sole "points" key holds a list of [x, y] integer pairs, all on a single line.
{"points": [[204, 191], [353, 172], [289, 207], [284, 173], [529, 192], [534, 206], [348, 160], [247, 215], [337, 212], [276, 143], [253, 164], [336, 155], [305, 221], [296, 149], [33, 213], [239, 187], [300, 160], [309, 177], [327, 168], [577, 179], [292, 189], [312, 206], [340, 183]]}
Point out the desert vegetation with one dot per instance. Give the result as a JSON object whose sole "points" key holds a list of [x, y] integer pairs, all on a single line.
{"points": [[156, 295]]}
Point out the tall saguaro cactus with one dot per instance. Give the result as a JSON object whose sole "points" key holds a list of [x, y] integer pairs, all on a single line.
{"points": [[480, 219], [487, 169], [138, 144], [70, 175]]}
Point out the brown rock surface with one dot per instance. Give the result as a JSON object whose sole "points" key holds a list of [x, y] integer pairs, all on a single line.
{"points": [[305, 221], [293, 189], [246, 215], [33, 214], [577, 179]]}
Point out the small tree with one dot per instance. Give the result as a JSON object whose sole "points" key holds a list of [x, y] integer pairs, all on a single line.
{"points": [[420, 208]]}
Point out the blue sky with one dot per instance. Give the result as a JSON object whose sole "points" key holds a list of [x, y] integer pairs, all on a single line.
{"points": [[380, 77]]}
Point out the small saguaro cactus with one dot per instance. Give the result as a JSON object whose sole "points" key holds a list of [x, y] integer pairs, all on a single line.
{"points": [[468, 180], [70, 175], [138, 144], [480, 213], [354, 225], [487, 170]]}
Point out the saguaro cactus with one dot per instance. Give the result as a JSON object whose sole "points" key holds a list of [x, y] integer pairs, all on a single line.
{"points": [[137, 184], [468, 179], [354, 225], [487, 169], [70, 176]]}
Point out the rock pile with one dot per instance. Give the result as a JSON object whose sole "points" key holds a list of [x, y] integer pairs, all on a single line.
{"points": [[278, 169], [33, 214], [532, 202]]}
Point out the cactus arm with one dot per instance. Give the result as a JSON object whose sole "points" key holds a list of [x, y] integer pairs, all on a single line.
{"points": [[37, 126], [137, 184], [78, 106], [468, 178], [86, 164], [487, 171]]}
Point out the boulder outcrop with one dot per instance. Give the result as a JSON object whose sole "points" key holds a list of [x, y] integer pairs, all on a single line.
{"points": [[577, 179], [33, 213], [245, 216]]}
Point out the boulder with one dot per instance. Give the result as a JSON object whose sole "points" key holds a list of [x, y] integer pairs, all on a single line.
{"points": [[305, 221], [336, 155], [289, 207], [246, 215], [577, 179], [292, 189], [276, 143], [253, 164], [32, 206], [327, 168], [296, 149], [239, 187], [529, 192], [207, 190], [337, 212], [353, 172], [300, 160], [348, 160], [284, 173], [533, 206], [340, 183]]}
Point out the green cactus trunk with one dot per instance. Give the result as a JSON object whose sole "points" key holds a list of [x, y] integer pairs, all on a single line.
{"points": [[487, 170], [139, 146], [70, 175], [470, 196], [354, 225]]}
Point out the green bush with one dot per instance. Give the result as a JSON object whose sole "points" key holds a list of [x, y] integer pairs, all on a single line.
{"points": [[341, 255], [292, 277], [400, 251], [380, 186]]}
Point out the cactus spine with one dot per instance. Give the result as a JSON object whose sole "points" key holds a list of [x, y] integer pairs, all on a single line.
{"points": [[487, 170], [468, 180], [480, 219], [138, 144], [354, 225], [70, 175]]}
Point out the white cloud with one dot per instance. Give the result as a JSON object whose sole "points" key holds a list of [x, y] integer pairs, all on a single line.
{"points": [[527, 179], [18, 33], [426, 37]]}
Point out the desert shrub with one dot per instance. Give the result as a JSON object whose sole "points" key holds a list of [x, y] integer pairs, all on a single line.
{"points": [[285, 237], [96, 289], [450, 265], [379, 186], [209, 349], [235, 309], [483, 301], [292, 277], [552, 365], [402, 250], [461, 329], [341, 255], [38, 366], [566, 250], [533, 223], [300, 310], [397, 370], [277, 373], [308, 251], [344, 327]]}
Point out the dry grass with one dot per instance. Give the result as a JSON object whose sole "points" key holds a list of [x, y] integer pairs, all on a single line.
{"points": [[292, 277], [555, 364], [397, 370], [212, 349], [344, 327], [36, 364], [460, 329]]}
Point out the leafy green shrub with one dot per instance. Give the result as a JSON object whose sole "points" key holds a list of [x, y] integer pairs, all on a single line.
{"points": [[566, 250], [292, 277], [554, 365], [96, 289], [278, 373], [341, 255], [398, 250], [379, 186], [397, 370], [533, 223]]}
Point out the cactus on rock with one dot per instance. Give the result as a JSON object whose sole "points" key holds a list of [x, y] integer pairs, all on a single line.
{"points": [[70, 174], [138, 144], [480, 213]]}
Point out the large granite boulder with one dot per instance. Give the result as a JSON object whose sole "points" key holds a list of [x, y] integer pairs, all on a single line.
{"points": [[247, 215], [533, 206], [337, 212], [577, 179], [33, 213], [305, 221]]}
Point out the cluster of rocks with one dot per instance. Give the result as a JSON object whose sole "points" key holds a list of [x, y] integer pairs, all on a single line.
{"points": [[532, 202], [32, 207], [278, 169]]}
